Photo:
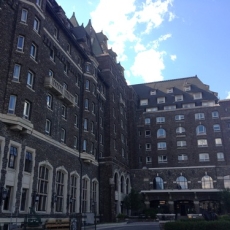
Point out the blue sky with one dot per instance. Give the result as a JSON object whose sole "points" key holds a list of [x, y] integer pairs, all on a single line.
{"points": [[164, 39]]}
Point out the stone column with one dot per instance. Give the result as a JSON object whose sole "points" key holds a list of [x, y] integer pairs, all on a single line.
{"points": [[197, 206], [171, 206]]}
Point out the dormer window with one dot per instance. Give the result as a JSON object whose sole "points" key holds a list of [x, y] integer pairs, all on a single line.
{"points": [[170, 90], [144, 102], [160, 100], [179, 98], [153, 92], [187, 88], [197, 96]]}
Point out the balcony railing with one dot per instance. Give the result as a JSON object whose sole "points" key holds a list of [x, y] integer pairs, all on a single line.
{"points": [[58, 89]]}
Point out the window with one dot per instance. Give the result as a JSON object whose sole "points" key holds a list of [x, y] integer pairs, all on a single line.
{"points": [[30, 79], [218, 142], [101, 139], [216, 128], [75, 142], [63, 135], [160, 100], [52, 54], [197, 96], [84, 195], [160, 119], [180, 130], [65, 69], [187, 88], [12, 157], [26, 110], [84, 145], [202, 143], [179, 117], [203, 157], [85, 124], [181, 144], [20, 43], [147, 133], [122, 138], [152, 92], [147, 146], [144, 102], [215, 114], [208, 103], [39, 2], [189, 105], [227, 181], [199, 116], [68, 48], [48, 127], [179, 98], [59, 191], [182, 157], [200, 130], [49, 101], [16, 74], [182, 182], [36, 25], [158, 183], [220, 156], [162, 159], [122, 152], [207, 182], [28, 162], [43, 184], [24, 15], [24, 197], [147, 121], [87, 84], [91, 147], [51, 74], [93, 108], [63, 111], [161, 145], [86, 104], [151, 109], [92, 127], [148, 160], [140, 159], [73, 193], [7, 201], [101, 121], [170, 90], [169, 107], [76, 99], [114, 128], [56, 33], [161, 133], [12, 104], [33, 51]]}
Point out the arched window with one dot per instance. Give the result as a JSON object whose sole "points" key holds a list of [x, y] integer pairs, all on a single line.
{"points": [[161, 133], [207, 182], [122, 184], [158, 183], [200, 130], [73, 193], [180, 130], [116, 181], [127, 186], [182, 182], [85, 194], [227, 181], [60, 191]]}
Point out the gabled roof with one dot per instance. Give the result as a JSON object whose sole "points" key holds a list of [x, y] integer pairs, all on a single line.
{"points": [[74, 21]]}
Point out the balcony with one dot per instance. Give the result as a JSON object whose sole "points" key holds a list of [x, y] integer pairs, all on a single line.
{"points": [[59, 90]]}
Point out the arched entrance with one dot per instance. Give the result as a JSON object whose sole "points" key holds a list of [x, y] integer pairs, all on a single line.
{"points": [[184, 207]]}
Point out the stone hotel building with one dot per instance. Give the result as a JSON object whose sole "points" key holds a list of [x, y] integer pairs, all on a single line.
{"points": [[75, 138]]}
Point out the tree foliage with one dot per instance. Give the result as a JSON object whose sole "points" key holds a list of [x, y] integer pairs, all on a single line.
{"points": [[225, 198], [134, 201]]}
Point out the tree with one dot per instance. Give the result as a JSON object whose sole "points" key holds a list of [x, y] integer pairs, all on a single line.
{"points": [[134, 201], [225, 198]]}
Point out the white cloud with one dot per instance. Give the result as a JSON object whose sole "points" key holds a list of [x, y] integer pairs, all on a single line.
{"points": [[228, 96], [148, 65], [171, 16], [173, 57], [119, 20]]}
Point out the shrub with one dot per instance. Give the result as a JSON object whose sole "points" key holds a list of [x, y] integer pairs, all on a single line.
{"points": [[197, 225]]}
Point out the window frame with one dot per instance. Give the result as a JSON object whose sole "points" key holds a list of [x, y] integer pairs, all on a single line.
{"points": [[204, 157], [179, 117], [48, 127], [160, 120], [33, 51], [161, 145], [36, 26], [27, 110], [30, 79], [63, 135], [20, 43], [12, 104], [160, 100], [24, 17]]}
